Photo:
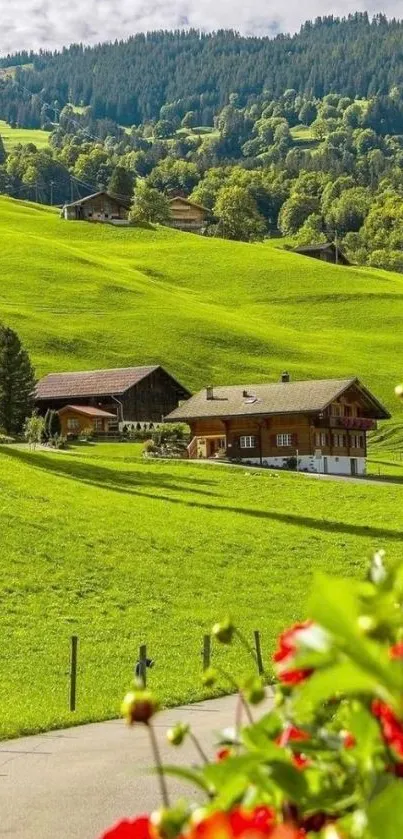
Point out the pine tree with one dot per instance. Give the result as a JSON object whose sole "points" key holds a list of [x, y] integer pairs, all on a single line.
{"points": [[17, 381], [121, 182], [3, 153]]}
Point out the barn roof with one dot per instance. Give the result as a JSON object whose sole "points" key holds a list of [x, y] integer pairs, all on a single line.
{"points": [[90, 382], [279, 398], [120, 199], [87, 410], [322, 247], [189, 203]]}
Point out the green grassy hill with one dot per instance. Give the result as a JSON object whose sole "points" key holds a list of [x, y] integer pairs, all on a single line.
{"points": [[118, 550], [85, 296]]}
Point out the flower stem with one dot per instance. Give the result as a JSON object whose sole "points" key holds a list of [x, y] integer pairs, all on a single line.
{"points": [[198, 748], [159, 766]]}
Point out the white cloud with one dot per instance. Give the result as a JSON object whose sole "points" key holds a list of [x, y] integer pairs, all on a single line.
{"points": [[27, 24]]}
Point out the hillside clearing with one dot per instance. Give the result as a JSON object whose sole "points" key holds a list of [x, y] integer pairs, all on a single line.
{"points": [[13, 136], [87, 296], [99, 543]]}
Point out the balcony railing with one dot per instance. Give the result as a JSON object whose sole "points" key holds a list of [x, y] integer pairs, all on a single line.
{"points": [[348, 423]]}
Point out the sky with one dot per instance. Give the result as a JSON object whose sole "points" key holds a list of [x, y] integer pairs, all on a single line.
{"points": [[50, 24]]}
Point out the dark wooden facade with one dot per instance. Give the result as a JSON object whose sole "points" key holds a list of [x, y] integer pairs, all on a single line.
{"points": [[148, 400], [328, 252]]}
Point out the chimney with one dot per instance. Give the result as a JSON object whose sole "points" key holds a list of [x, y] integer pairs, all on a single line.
{"points": [[285, 377], [209, 392]]}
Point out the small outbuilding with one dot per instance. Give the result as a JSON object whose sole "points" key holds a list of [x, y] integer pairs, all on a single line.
{"points": [[99, 207], [327, 252], [75, 419]]}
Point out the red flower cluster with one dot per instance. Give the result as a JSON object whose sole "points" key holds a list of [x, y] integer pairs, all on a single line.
{"points": [[285, 655], [259, 823], [140, 828], [293, 734], [392, 727], [223, 754]]}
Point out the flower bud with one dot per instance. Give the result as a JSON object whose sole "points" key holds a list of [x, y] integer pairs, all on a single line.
{"points": [[254, 691], [224, 631], [168, 823], [209, 677], [139, 706], [177, 733]]}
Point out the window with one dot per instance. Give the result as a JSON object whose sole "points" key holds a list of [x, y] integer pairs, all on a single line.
{"points": [[321, 439], [284, 440], [247, 442], [357, 441], [338, 441], [73, 424], [98, 424], [337, 410]]}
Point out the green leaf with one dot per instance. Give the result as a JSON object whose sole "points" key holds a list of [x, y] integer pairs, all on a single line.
{"points": [[342, 679], [290, 780], [385, 813], [335, 605], [192, 775]]}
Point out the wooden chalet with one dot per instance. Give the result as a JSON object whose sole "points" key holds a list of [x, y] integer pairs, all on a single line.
{"points": [[187, 216], [99, 207], [328, 252], [75, 419], [131, 394], [321, 425]]}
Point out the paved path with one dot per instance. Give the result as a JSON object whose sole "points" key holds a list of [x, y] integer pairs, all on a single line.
{"points": [[74, 783]]}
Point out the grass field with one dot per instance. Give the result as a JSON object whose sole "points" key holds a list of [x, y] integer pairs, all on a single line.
{"points": [[13, 136], [118, 550], [86, 296], [304, 136]]}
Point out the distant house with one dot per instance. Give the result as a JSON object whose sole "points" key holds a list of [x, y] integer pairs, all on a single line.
{"points": [[130, 394], [321, 425], [74, 419], [99, 207], [185, 215], [328, 252]]}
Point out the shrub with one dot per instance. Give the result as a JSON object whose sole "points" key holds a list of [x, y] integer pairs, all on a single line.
{"points": [[327, 760]]}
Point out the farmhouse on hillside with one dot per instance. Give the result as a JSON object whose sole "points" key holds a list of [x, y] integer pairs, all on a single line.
{"points": [[316, 426], [130, 394], [75, 419], [99, 207], [187, 216], [328, 252]]}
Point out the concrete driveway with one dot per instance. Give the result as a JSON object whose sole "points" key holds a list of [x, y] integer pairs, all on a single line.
{"points": [[72, 784]]}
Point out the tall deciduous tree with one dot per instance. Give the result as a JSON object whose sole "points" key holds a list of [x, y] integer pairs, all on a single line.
{"points": [[17, 381], [238, 216], [149, 205]]}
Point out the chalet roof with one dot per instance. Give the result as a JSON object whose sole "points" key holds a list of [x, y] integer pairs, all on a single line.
{"points": [[90, 382], [88, 411], [189, 203], [120, 199], [280, 398]]}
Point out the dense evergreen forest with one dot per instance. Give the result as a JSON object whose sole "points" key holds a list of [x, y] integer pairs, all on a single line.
{"points": [[295, 161], [128, 82]]}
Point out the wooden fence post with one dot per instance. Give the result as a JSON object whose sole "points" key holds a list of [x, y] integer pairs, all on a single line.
{"points": [[258, 652], [143, 664], [73, 672], [206, 651]]}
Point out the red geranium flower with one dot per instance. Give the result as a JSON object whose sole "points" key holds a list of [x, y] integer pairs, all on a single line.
{"points": [[261, 821], [285, 655], [140, 828], [349, 740], [392, 727], [293, 734], [396, 651]]}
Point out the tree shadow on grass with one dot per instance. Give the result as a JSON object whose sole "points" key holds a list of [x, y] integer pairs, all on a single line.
{"points": [[104, 477], [98, 476]]}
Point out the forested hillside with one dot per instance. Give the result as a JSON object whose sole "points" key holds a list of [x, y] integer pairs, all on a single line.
{"points": [[130, 81]]}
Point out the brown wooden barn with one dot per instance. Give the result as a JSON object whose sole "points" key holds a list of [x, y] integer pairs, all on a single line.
{"points": [[320, 424], [187, 216], [132, 394], [328, 252], [99, 207]]}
